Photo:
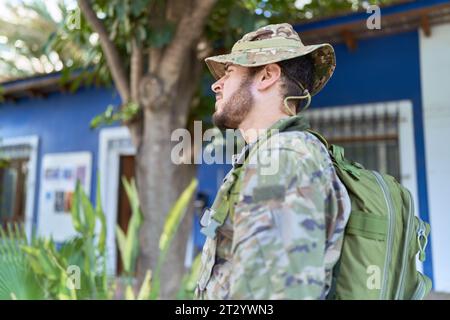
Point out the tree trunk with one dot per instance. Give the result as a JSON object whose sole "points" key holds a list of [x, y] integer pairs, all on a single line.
{"points": [[160, 182], [164, 94]]}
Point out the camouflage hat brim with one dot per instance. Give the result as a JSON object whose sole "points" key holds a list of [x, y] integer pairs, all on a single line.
{"points": [[322, 54]]}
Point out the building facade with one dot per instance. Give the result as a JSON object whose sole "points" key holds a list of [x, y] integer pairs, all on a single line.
{"points": [[388, 104]]}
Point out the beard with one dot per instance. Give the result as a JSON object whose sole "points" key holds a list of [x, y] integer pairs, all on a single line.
{"points": [[236, 108]]}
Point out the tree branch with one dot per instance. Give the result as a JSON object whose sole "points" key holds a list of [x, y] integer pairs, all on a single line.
{"points": [[136, 68], [154, 59], [188, 30], [186, 87], [111, 53]]}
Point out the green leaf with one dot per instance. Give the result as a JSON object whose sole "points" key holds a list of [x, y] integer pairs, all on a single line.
{"points": [[144, 292], [50, 43], [236, 16], [105, 118], [194, 273], [190, 279], [42, 260], [126, 25], [133, 197], [138, 7], [121, 13], [129, 244], [128, 111], [142, 33], [122, 244], [171, 225], [75, 210], [17, 279], [33, 259], [75, 84], [134, 225], [175, 216], [129, 293], [111, 10], [89, 214], [161, 35], [65, 75], [101, 215], [72, 251]]}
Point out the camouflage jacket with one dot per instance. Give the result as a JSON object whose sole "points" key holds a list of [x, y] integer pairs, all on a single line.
{"points": [[286, 232]]}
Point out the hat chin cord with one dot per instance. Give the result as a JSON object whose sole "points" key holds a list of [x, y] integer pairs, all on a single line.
{"points": [[306, 95]]}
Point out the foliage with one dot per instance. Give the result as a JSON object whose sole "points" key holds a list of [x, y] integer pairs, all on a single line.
{"points": [[44, 271], [173, 221], [17, 278], [75, 270], [37, 269], [3, 162], [129, 244], [189, 281], [110, 115], [29, 45], [145, 25], [70, 45]]}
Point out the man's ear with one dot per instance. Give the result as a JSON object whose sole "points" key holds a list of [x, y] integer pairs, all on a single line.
{"points": [[268, 76]]}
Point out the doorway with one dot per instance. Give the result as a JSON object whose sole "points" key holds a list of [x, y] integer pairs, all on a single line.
{"points": [[126, 170]]}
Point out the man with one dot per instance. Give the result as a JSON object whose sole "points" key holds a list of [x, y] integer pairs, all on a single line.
{"points": [[273, 235]]}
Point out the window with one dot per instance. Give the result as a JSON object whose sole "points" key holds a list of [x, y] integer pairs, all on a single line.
{"points": [[124, 212], [13, 177], [18, 180], [369, 136]]}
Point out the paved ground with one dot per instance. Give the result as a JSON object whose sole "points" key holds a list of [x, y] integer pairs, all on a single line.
{"points": [[438, 296]]}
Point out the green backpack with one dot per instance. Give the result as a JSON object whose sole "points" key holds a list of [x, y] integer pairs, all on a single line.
{"points": [[381, 239]]}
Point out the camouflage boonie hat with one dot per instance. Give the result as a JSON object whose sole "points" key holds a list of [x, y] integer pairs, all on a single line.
{"points": [[273, 43]]}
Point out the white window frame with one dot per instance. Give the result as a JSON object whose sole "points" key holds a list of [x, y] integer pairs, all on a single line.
{"points": [[108, 166], [33, 143]]}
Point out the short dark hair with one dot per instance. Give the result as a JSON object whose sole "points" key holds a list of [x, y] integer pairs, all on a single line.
{"points": [[299, 69]]}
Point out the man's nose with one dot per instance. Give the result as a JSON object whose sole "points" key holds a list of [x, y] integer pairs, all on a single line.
{"points": [[217, 86]]}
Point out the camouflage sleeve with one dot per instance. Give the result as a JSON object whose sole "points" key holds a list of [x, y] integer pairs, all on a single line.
{"points": [[280, 224]]}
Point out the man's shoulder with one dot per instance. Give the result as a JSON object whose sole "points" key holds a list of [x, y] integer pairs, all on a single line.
{"points": [[285, 157], [297, 143]]}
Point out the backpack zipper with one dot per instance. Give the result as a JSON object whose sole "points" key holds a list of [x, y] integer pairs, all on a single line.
{"points": [[422, 287], [400, 289], [391, 221], [421, 234]]}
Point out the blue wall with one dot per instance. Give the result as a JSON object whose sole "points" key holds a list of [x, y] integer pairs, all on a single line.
{"points": [[210, 177], [61, 121]]}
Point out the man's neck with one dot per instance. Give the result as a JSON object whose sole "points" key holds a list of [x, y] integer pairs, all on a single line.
{"points": [[252, 127]]}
